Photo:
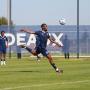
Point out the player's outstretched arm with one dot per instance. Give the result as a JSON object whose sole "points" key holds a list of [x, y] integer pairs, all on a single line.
{"points": [[27, 31], [53, 41]]}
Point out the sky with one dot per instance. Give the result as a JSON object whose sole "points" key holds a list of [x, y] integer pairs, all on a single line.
{"points": [[35, 12]]}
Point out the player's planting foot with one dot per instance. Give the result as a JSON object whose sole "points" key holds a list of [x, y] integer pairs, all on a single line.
{"points": [[59, 70]]}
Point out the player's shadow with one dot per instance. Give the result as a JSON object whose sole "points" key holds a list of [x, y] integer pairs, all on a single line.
{"points": [[29, 71], [23, 71]]}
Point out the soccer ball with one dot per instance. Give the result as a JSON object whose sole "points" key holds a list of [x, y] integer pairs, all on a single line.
{"points": [[62, 21]]}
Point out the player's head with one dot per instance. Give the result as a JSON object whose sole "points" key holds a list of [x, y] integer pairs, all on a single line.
{"points": [[44, 27], [2, 33]]}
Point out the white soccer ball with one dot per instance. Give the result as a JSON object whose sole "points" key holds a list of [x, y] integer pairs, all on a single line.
{"points": [[62, 21]]}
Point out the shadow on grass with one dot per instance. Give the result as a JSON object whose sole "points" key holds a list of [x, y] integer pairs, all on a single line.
{"points": [[28, 71], [23, 71]]}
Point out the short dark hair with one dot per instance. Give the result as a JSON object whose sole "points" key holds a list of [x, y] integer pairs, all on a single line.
{"points": [[43, 24], [2, 32]]}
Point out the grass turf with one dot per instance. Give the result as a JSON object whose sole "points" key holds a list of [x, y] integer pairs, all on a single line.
{"points": [[29, 74]]}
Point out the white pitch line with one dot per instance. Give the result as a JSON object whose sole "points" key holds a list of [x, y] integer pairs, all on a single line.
{"points": [[41, 85]]}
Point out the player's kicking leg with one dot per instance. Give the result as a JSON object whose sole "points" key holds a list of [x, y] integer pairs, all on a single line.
{"points": [[53, 64], [33, 52], [29, 49]]}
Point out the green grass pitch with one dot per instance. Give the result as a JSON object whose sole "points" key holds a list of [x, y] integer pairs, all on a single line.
{"points": [[29, 74]]}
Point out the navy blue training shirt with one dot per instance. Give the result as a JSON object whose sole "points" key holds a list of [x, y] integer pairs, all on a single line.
{"points": [[3, 41], [41, 39]]}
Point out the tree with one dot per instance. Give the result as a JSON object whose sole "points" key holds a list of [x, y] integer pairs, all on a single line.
{"points": [[4, 21]]}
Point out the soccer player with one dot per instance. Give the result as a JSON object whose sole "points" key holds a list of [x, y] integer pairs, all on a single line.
{"points": [[41, 42], [3, 46]]}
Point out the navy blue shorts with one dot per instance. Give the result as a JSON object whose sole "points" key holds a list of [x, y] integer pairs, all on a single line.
{"points": [[3, 50], [43, 51]]}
